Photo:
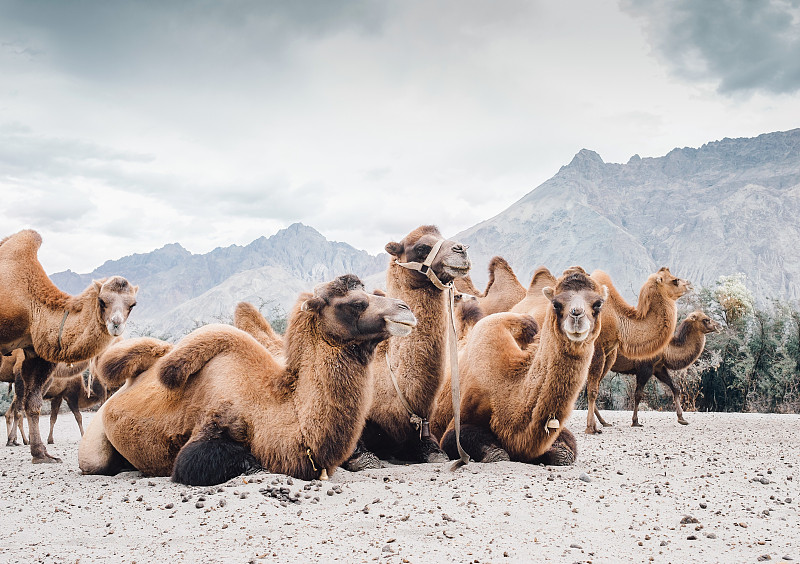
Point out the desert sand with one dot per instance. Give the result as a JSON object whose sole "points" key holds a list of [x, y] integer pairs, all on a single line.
{"points": [[723, 489]]}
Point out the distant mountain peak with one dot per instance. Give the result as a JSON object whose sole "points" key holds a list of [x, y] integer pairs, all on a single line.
{"points": [[585, 159]]}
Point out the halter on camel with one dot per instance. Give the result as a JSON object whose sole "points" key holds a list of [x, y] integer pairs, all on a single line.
{"points": [[422, 422]]}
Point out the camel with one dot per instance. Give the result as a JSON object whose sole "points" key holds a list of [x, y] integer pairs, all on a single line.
{"points": [[414, 366], [67, 384], [50, 325], [683, 349], [502, 292], [467, 313], [637, 333], [515, 397], [247, 318], [9, 365], [217, 404]]}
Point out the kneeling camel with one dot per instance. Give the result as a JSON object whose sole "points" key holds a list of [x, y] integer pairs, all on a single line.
{"points": [[217, 404]]}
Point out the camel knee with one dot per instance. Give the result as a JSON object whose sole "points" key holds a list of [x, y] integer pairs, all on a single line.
{"points": [[96, 454], [206, 462], [479, 443]]}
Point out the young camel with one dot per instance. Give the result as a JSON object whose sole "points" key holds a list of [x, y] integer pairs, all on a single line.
{"points": [[217, 404], [418, 363], [514, 397], [67, 385], [683, 349], [502, 292], [50, 325], [638, 333]]}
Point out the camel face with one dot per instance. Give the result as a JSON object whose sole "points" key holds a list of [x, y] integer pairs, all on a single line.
{"points": [[673, 286], [115, 299], [450, 262], [703, 322], [577, 306], [348, 313]]}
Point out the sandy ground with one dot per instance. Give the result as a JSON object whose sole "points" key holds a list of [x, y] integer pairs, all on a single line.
{"points": [[723, 489]]}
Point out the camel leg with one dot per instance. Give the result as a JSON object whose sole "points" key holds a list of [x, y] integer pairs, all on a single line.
{"points": [[417, 449], [76, 412], [563, 451], [55, 406], [361, 459], [663, 374], [35, 372], [480, 443], [96, 454], [592, 388], [11, 425], [643, 375], [213, 458]]}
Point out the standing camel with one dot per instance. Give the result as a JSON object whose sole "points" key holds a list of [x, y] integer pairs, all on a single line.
{"points": [[683, 349], [50, 325]]}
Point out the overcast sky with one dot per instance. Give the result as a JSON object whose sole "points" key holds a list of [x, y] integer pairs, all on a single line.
{"points": [[127, 125]]}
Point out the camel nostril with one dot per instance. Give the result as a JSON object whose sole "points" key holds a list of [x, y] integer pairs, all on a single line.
{"points": [[576, 312], [459, 248]]}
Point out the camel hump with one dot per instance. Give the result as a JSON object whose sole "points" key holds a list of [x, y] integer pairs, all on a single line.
{"points": [[195, 350], [541, 278], [499, 269], [247, 315], [26, 242], [524, 328], [128, 359]]}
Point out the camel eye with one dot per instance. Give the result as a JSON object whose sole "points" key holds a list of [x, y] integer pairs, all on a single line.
{"points": [[558, 306], [424, 249], [101, 303], [130, 307], [596, 306], [675, 282]]}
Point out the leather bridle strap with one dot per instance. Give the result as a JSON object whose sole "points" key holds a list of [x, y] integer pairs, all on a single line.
{"points": [[425, 267]]}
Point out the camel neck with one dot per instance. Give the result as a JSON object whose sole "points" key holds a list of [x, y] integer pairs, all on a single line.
{"points": [[646, 330], [70, 332], [684, 349]]}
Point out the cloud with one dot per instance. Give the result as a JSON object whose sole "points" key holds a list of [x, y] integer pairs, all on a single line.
{"points": [[742, 45]]}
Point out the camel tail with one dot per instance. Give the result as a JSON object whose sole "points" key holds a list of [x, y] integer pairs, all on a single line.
{"points": [[194, 352], [127, 360]]}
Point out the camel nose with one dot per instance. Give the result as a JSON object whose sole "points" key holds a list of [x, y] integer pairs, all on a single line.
{"points": [[576, 312], [459, 248]]}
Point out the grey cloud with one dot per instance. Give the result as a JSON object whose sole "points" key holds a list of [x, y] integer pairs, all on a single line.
{"points": [[744, 45], [120, 40]]}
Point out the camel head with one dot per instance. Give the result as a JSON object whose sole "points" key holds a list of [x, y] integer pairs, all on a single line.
{"points": [[669, 285], [467, 309], [347, 313], [115, 298], [577, 301], [450, 262], [702, 322]]}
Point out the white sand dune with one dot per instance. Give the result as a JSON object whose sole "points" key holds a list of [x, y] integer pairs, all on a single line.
{"points": [[723, 489]]}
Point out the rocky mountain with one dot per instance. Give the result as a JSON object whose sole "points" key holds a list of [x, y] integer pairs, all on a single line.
{"points": [[179, 290], [730, 206]]}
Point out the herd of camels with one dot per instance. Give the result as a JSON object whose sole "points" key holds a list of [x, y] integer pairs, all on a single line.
{"points": [[357, 377]]}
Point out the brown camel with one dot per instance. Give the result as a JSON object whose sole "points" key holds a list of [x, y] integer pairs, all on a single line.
{"points": [[502, 292], [67, 385], [515, 397], [416, 364], [467, 313], [50, 325], [9, 364], [217, 404], [683, 349], [638, 333], [247, 318]]}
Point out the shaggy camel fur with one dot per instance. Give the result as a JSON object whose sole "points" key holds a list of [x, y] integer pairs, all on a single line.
{"points": [[502, 292], [218, 404], [683, 349], [515, 397], [637, 333], [67, 384], [418, 363], [50, 325], [247, 318]]}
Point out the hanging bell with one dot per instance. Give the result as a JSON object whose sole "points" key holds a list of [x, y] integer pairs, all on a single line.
{"points": [[553, 423]]}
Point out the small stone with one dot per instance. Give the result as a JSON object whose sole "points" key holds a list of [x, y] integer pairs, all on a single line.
{"points": [[711, 535], [688, 519], [199, 505], [691, 537], [387, 548], [169, 506], [575, 545], [584, 477], [330, 492], [703, 505], [764, 558], [787, 557], [222, 503]]}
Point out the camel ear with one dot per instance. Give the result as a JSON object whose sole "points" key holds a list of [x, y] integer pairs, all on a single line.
{"points": [[394, 249], [605, 292], [313, 304], [97, 284], [379, 292], [135, 289], [548, 293]]}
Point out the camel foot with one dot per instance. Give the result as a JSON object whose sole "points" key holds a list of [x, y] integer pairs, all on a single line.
{"points": [[593, 431], [636, 424], [46, 459], [604, 424], [682, 421], [12, 443], [363, 461], [438, 456], [496, 454], [50, 441]]}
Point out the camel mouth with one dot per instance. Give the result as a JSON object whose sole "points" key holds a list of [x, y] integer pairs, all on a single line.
{"points": [[399, 328], [115, 330], [578, 336], [455, 271]]}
